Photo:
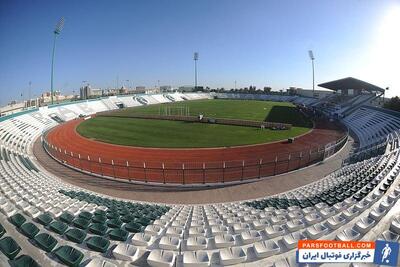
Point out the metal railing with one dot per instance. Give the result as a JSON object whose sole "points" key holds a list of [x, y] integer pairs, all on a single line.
{"points": [[189, 173]]}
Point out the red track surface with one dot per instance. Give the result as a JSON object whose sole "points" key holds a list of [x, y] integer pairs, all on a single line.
{"points": [[189, 165]]}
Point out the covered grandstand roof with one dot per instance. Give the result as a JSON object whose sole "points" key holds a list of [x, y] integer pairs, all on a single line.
{"points": [[351, 83]]}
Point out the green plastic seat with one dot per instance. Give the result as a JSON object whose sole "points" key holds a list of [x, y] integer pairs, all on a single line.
{"points": [[98, 243], [69, 255], [81, 223], [112, 215], [100, 212], [128, 218], [98, 228], [29, 230], [133, 227], [44, 219], [9, 247], [99, 219], [75, 235], [24, 261], [114, 223], [58, 227], [143, 221], [45, 241], [85, 215], [66, 217], [2, 230], [118, 234], [17, 219]]}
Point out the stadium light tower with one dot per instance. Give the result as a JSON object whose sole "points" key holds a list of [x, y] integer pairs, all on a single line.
{"points": [[57, 31], [195, 58], [311, 55]]}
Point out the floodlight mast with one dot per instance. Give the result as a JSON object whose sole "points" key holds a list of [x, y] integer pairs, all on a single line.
{"points": [[57, 31], [311, 55], [195, 58]]}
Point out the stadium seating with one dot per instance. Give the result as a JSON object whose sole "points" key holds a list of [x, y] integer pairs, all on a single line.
{"points": [[45, 221]]}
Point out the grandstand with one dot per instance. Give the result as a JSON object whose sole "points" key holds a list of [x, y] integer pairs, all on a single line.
{"points": [[45, 221]]}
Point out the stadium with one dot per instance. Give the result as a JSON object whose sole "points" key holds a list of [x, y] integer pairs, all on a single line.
{"points": [[316, 169], [128, 149]]}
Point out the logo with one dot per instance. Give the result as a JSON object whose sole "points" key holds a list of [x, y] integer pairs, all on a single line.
{"points": [[386, 253], [329, 251]]}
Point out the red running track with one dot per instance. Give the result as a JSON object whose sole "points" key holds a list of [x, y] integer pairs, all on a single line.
{"points": [[186, 166]]}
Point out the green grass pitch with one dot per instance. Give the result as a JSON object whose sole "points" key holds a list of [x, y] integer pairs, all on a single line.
{"points": [[178, 134]]}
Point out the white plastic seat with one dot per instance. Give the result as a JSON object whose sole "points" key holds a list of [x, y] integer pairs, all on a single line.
{"points": [[197, 231], [250, 236], [292, 239], [349, 234], [219, 229], [260, 224], [278, 219], [364, 224], [169, 243], [389, 236], [33, 212], [377, 213], [312, 218], [55, 212], [266, 248], [327, 212], [127, 252], [8, 210], [142, 239], [395, 225], [274, 231], [224, 240], [232, 255], [240, 227], [294, 225], [196, 243], [174, 231], [232, 221], [161, 258], [98, 262], [336, 221], [295, 214], [153, 229], [316, 231], [196, 259]]}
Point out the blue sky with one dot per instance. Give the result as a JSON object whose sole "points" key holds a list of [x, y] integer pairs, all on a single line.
{"points": [[252, 42]]}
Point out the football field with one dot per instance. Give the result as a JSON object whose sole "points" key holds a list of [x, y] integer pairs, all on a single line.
{"points": [[180, 134]]}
